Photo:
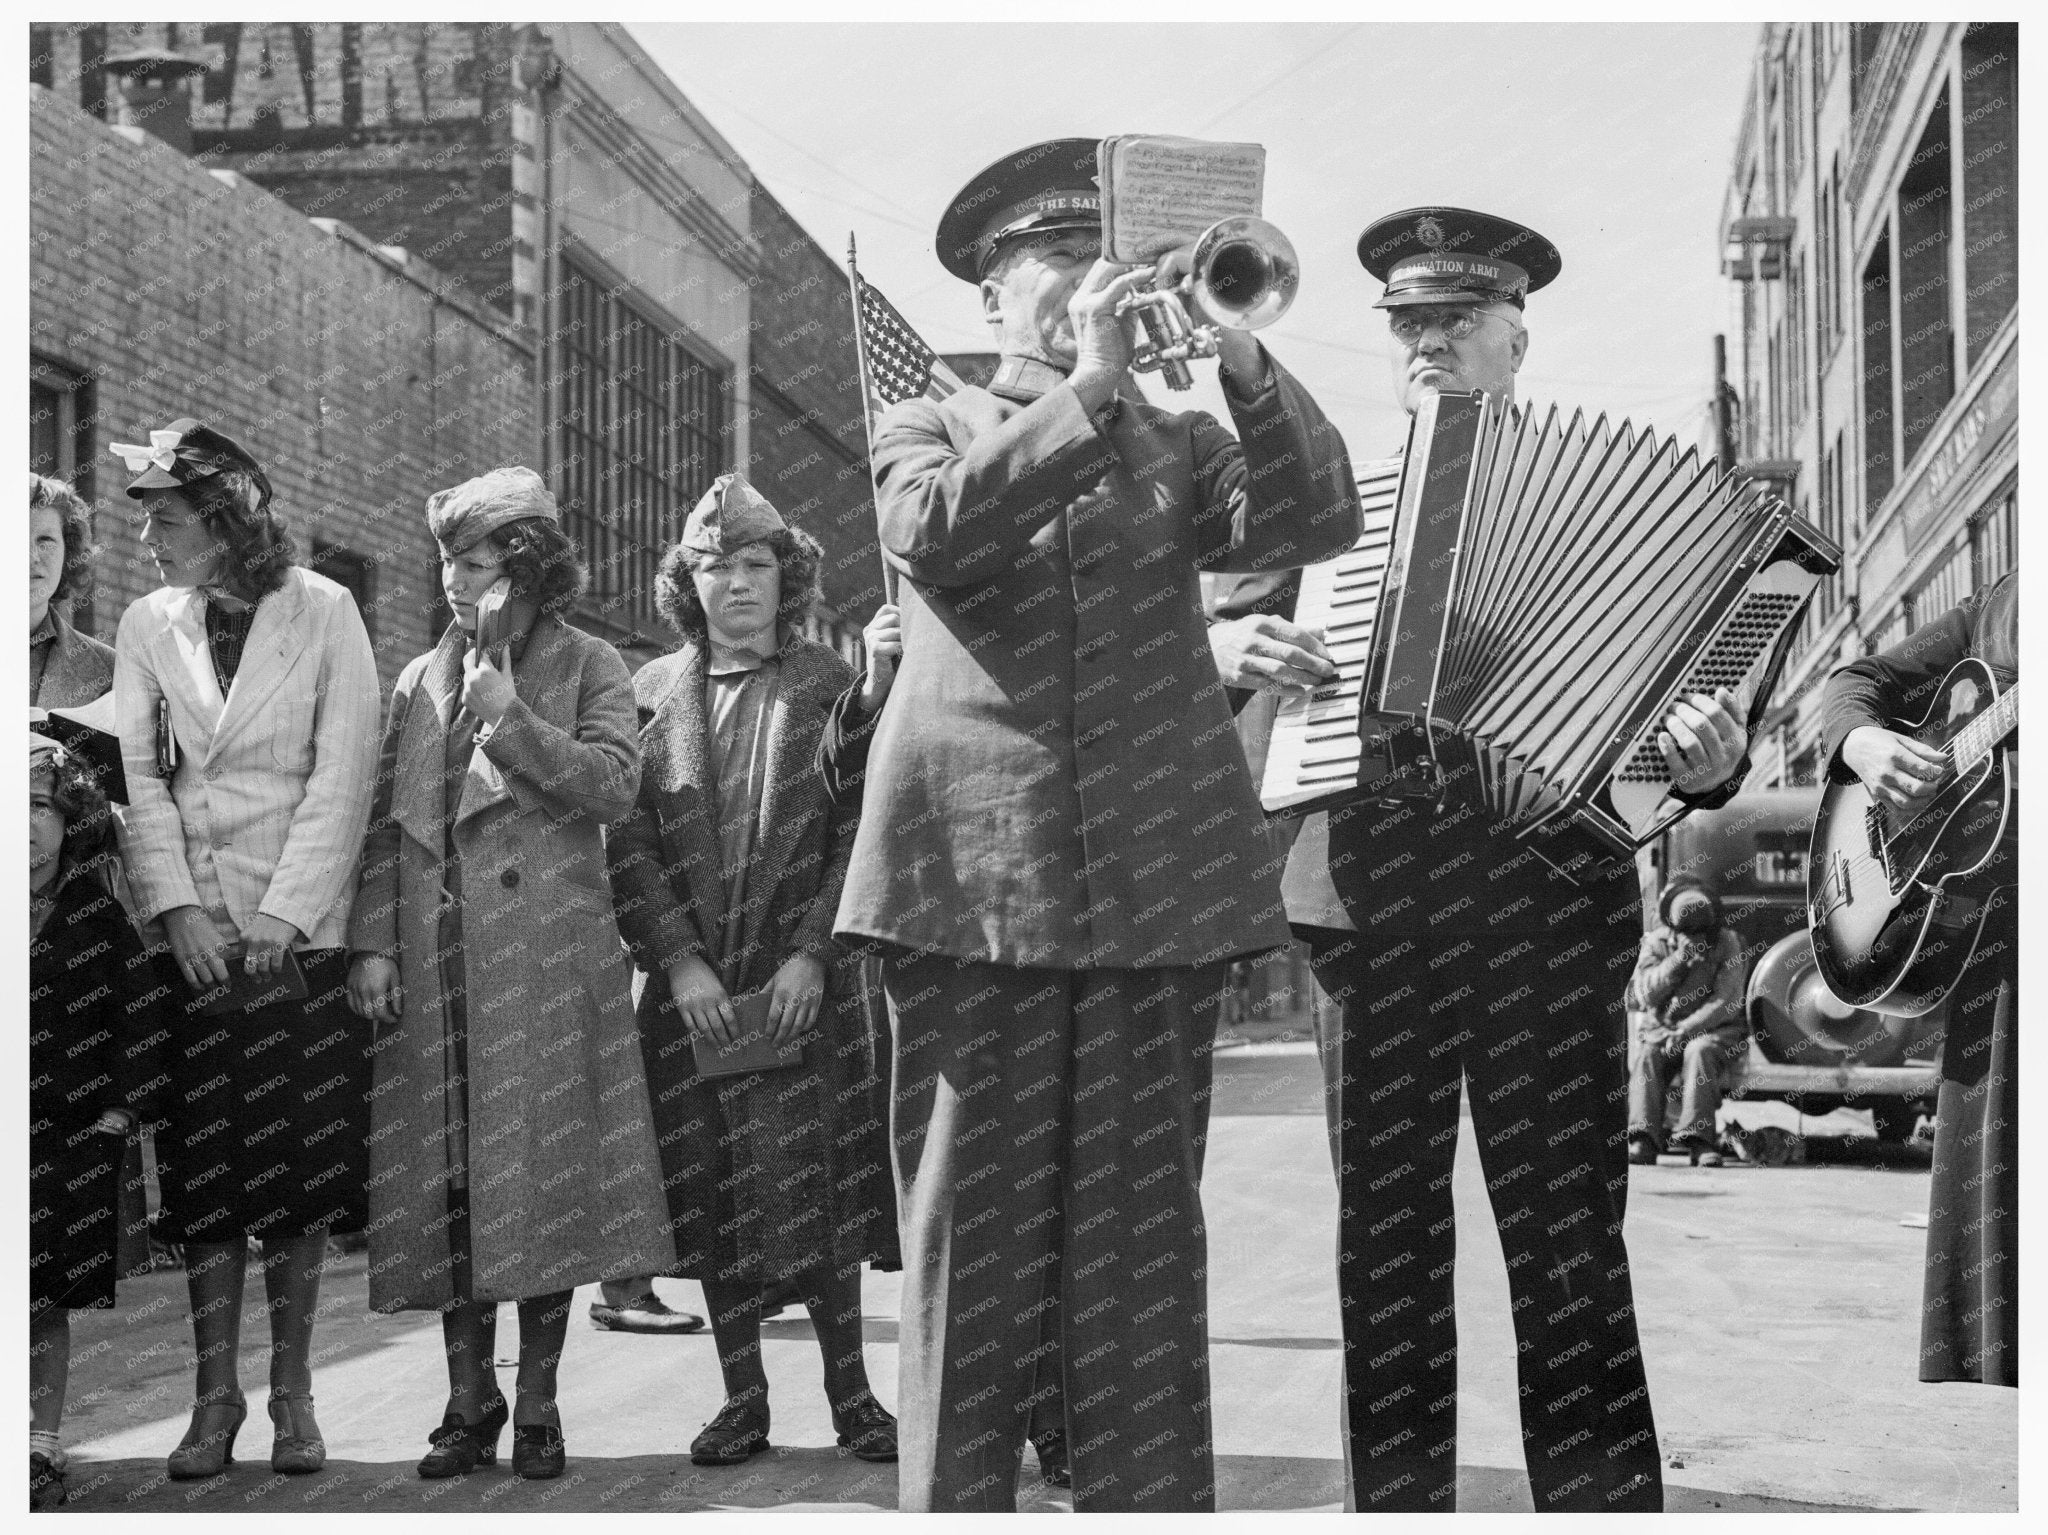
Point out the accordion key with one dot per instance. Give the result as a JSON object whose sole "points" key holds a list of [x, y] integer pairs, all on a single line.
{"points": [[1550, 588]]}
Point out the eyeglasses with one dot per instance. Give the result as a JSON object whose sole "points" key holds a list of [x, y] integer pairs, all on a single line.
{"points": [[1456, 324]]}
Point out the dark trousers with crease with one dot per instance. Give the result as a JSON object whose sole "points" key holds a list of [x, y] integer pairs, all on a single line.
{"points": [[1531, 1025], [1048, 1129]]}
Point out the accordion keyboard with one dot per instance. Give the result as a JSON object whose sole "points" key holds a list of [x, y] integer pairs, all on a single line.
{"points": [[1315, 744]]}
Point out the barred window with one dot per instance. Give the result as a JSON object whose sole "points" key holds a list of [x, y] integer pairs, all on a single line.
{"points": [[1945, 586], [643, 424], [1994, 538]]}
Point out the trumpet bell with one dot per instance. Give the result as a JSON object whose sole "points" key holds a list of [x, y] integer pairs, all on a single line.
{"points": [[1245, 273]]}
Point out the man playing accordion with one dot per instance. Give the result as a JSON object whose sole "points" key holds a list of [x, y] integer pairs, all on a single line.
{"points": [[1460, 959]]}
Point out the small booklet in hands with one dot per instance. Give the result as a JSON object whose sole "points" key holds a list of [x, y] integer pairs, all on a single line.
{"points": [[244, 991], [752, 1049]]}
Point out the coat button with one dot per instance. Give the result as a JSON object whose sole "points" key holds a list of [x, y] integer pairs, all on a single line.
{"points": [[509, 879]]}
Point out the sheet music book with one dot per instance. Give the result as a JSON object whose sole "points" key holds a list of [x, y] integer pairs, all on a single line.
{"points": [[1160, 192]]}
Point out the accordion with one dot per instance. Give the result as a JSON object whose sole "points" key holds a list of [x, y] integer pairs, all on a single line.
{"points": [[1523, 610]]}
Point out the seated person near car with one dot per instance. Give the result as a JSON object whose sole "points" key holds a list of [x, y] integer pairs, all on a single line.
{"points": [[1685, 1013]]}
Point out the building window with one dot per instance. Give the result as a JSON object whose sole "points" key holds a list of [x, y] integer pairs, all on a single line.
{"points": [[1878, 462], [60, 424], [1994, 538], [359, 574], [643, 434], [1989, 94], [1943, 587], [1927, 352]]}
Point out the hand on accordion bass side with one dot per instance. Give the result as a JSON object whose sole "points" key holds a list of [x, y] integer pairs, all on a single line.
{"points": [[1703, 740], [1271, 655]]}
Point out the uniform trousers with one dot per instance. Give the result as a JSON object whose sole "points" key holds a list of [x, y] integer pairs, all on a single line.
{"points": [[1048, 1128], [1531, 1025]]}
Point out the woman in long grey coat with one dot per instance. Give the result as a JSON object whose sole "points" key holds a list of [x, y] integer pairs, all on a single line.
{"points": [[512, 1155], [727, 875]]}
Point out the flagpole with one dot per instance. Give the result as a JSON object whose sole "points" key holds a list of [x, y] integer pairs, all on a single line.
{"points": [[867, 407]]}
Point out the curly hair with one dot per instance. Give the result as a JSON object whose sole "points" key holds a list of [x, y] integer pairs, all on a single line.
{"points": [[76, 583], [541, 560], [259, 548], [797, 554], [88, 820]]}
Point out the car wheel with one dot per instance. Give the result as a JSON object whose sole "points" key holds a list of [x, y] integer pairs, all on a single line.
{"points": [[1791, 1006]]}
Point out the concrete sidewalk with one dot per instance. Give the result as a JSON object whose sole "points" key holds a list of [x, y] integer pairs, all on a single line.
{"points": [[1780, 1322]]}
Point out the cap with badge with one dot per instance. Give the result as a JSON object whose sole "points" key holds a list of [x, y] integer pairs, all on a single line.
{"points": [[1455, 256], [1041, 188], [729, 516], [183, 453]]}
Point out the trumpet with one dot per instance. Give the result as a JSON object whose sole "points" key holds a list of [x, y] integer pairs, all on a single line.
{"points": [[1243, 277]]}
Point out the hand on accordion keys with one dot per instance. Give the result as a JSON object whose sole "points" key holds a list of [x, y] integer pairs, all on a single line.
{"points": [[1270, 655], [1703, 740]]}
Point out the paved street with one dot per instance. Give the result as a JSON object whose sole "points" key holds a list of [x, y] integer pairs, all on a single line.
{"points": [[1781, 1322]]}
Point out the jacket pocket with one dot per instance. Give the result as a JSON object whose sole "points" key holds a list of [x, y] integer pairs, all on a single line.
{"points": [[290, 725]]}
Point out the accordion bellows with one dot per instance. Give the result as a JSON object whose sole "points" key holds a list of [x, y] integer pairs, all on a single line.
{"points": [[1545, 590]]}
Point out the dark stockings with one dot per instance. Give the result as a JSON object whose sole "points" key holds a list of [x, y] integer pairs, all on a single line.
{"points": [[834, 1303]]}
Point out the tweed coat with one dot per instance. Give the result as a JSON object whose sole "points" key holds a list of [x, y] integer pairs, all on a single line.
{"points": [[1054, 780], [769, 1174], [564, 1186], [80, 668], [265, 812]]}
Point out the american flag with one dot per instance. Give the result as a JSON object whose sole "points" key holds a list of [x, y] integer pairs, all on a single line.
{"points": [[899, 365]]}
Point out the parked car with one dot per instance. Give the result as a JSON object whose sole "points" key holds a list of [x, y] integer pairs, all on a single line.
{"points": [[1805, 1047]]}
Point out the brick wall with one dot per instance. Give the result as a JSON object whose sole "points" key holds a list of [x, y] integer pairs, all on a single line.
{"points": [[809, 446], [401, 129], [360, 389]]}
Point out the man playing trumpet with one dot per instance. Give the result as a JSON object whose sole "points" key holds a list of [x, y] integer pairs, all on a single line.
{"points": [[1062, 848]]}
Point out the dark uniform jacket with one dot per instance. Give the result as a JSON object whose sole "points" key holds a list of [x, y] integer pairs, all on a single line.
{"points": [[1055, 780]]}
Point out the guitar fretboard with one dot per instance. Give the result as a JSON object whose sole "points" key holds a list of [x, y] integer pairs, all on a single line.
{"points": [[1984, 732]]}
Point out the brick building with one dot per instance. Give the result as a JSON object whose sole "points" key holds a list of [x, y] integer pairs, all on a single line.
{"points": [[677, 322], [362, 380], [1872, 234]]}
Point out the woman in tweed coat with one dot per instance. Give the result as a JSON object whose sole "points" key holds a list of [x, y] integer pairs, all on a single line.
{"points": [[727, 875], [511, 1154]]}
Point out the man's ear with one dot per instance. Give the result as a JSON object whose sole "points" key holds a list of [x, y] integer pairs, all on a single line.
{"points": [[1519, 348], [992, 301]]}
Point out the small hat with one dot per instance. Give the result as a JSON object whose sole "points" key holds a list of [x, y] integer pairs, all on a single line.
{"points": [[731, 515], [182, 453], [1043, 187], [1692, 909], [464, 513], [1455, 256]]}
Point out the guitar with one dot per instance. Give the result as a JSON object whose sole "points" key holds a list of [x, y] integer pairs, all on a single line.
{"points": [[1897, 910]]}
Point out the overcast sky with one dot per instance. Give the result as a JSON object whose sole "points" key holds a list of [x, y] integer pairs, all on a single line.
{"points": [[1613, 141]]}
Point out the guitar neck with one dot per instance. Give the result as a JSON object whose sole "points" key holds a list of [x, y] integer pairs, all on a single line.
{"points": [[1982, 734]]}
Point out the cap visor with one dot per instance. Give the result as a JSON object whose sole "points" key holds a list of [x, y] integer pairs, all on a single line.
{"points": [[1411, 299], [150, 479]]}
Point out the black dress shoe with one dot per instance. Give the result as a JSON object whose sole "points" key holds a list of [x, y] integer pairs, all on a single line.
{"points": [[1642, 1150], [867, 1428], [644, 1313], [459, 1447], [1052, 1459], [737, 1432], [538, 1453]]}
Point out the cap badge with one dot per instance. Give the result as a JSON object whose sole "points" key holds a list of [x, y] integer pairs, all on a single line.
{"points": [[1429, 232]]}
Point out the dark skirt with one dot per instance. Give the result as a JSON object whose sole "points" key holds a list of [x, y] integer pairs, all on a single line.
{"points": [[73, 1228], [268, 1117], [778, 1173], [1969, 1317]]}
